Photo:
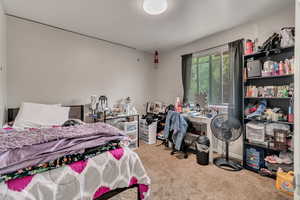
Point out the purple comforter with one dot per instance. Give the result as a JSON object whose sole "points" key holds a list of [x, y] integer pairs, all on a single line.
{"points": [[22, 149]]}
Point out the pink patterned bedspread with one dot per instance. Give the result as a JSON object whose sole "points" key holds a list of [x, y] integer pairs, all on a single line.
{"points": [[83, 180]]}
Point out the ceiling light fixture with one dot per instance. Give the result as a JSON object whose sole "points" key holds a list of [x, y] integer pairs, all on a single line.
{"points": [[155, 7]]}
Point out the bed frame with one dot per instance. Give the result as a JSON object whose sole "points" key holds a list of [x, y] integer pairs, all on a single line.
{"points": [[77, 112], [117, 191]]}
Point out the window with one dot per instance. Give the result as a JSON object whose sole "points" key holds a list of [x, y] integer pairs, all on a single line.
{"points": [[210, 79]]}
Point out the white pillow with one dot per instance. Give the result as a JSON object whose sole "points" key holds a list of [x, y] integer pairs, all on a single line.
{"points": [[33, 115]]}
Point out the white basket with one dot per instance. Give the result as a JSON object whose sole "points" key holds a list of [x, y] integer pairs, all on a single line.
{"points": [[148, 132], [255, 132]]}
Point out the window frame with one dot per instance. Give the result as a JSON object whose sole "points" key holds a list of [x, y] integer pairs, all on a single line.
{"points": [[221, 51]]}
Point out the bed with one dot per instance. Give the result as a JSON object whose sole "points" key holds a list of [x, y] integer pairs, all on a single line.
{"points": [[99, 173]]}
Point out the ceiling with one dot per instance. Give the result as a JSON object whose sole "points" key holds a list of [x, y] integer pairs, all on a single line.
{"points": [[125, 22]]}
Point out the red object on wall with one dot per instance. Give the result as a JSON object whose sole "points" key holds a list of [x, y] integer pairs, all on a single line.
{"points": [[249, 47], [156, 60]]}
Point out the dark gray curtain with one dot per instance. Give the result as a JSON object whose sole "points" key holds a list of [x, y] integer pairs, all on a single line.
{"points": [[236, 50], [186, 75]]}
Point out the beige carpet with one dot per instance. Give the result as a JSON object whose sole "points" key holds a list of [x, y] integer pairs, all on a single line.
{"points": [[183, 179]]}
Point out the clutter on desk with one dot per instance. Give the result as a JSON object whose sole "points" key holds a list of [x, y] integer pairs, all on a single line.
{"points": [[99, 109], [193, 110], [124, 107]]}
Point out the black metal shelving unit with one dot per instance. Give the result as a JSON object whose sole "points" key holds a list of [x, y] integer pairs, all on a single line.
{"points": [[283, 103]]}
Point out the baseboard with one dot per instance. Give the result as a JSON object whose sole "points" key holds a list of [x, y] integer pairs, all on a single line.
{"points": [[236, 156]]}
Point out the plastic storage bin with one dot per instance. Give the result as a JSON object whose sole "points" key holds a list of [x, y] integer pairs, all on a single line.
{"points": [[254, 158], [130, 129], [148, 132], [255, 132]]}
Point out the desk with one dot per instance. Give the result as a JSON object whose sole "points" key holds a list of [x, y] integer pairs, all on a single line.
{"points": [[207, 121]]}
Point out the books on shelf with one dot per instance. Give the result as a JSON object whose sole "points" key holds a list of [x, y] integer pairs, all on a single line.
{"points": [[284, 91]]}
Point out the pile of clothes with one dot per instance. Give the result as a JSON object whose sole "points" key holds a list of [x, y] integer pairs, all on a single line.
{"points": [[260, 111], [255, 110], [281, 162]]}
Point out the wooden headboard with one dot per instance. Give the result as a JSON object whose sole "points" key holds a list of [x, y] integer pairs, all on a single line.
{"points": [[76, 112]]}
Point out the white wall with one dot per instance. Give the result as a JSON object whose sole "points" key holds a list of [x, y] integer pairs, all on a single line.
{"points": [[53, 66], [297, 104], [168, 74], [169, 70], [2, 63]]}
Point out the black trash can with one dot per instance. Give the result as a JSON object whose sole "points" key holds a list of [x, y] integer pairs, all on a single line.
{"points": [[202, 147]]}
